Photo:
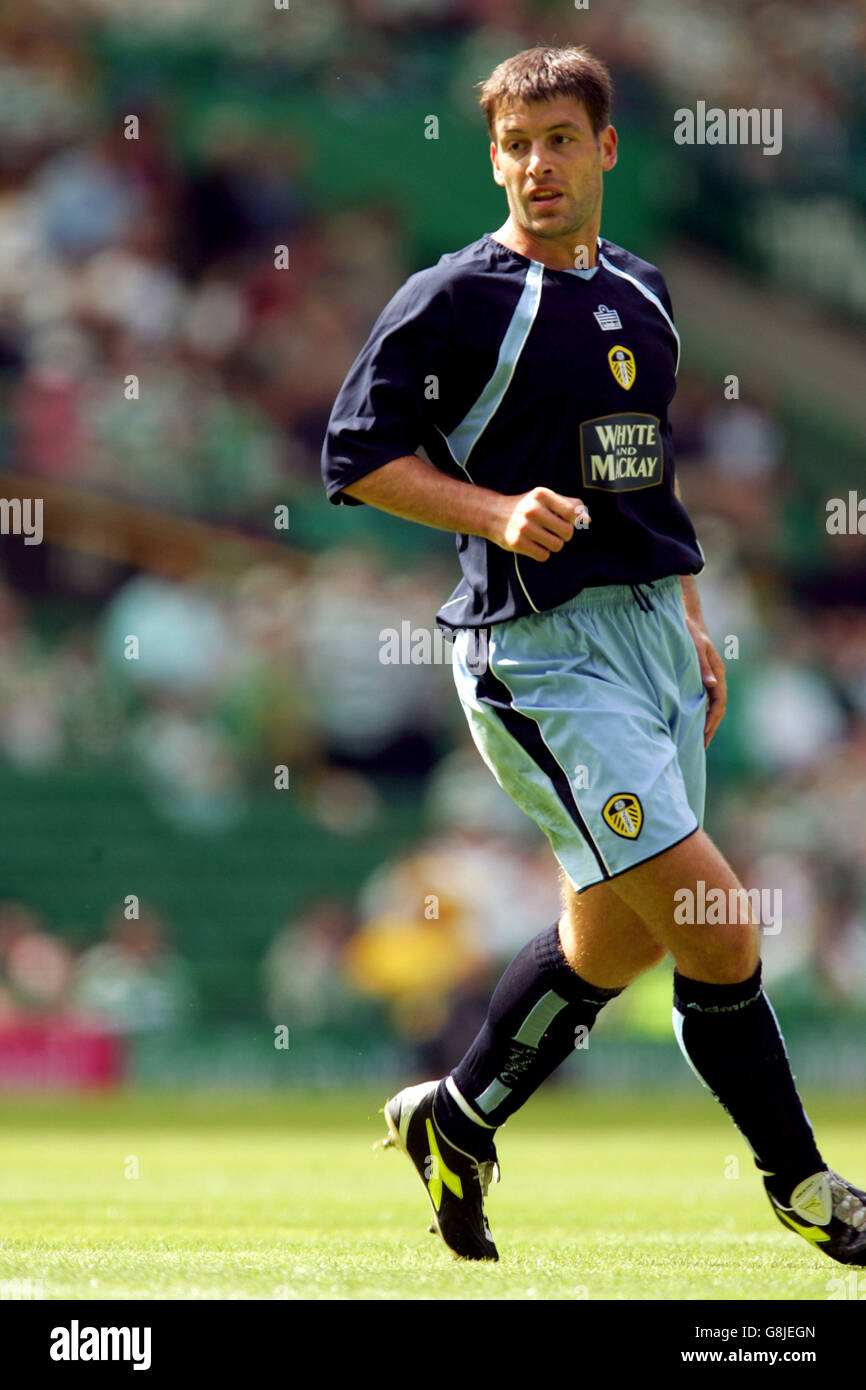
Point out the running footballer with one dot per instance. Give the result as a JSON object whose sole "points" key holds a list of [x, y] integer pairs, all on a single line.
{"points": [[581, 657]]}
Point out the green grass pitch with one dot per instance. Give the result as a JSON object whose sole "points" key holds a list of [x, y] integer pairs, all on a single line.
{"points": [[280, 1196]]}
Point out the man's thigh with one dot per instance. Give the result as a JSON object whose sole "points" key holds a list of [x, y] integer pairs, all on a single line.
{"points": [[604, 940]]}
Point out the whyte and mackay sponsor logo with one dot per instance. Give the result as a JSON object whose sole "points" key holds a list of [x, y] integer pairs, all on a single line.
{"points": [[621, 452]]}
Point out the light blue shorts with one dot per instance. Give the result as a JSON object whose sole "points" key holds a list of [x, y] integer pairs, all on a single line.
{"points": [[591, 716]]}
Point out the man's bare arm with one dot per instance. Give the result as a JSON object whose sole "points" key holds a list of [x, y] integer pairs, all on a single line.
{"points": [[691, 602], [712, 666], [535, 524]]}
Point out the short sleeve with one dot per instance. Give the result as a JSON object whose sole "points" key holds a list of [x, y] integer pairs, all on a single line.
{"points": [[384, 410]]}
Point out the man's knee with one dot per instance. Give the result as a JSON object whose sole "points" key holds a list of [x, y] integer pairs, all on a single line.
{"points": [[693, 902], [721, 959]]}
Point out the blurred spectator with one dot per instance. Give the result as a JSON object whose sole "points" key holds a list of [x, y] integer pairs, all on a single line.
{"points": [[133, 980], [374, 712], [35, 966], [306, 984], [839, 949]]}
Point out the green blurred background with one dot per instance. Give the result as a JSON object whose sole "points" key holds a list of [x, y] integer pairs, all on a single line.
{"points": [[162, 883]]}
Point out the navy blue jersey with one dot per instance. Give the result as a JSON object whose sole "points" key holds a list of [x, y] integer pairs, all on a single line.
{"points": [[513, 376]]}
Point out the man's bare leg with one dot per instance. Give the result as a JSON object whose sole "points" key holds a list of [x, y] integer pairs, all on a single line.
{"points": [[723, 954], [603, 939], [722, 1018]]}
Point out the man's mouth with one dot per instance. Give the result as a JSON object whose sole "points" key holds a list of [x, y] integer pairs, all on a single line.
{"points": [[545, 196]]}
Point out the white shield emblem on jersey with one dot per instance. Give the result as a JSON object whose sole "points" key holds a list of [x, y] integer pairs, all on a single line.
{"points": [[607, 319], [623, 366]]}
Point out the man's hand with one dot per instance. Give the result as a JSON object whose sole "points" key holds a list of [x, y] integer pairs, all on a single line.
{"points": [[713, 676], [537, 523]]}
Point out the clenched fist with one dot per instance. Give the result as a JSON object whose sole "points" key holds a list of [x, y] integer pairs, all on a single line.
{"points": [[536, 523]]}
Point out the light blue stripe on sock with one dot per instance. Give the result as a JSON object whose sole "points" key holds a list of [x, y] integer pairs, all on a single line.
{"points": [[537, 1022], [495, 1093]]}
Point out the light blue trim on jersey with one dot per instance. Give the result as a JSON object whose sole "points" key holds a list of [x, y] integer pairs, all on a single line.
{"points": [[447, 442], [647, 294], [539, 1019], [527, 595], [465, 436]]}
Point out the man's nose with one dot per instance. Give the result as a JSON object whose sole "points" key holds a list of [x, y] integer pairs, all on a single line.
{"points": [[539, 161]]}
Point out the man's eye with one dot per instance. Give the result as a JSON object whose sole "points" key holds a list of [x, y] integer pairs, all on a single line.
{"points": [[563, 137]]}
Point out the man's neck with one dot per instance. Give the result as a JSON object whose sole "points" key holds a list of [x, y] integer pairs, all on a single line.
{"points": [[576, 251]]}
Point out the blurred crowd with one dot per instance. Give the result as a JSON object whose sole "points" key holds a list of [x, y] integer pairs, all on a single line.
{"points": [[229, 682], [130, 982], [136, 256], [150, 348]]}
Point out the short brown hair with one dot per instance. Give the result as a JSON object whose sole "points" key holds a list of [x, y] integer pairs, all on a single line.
{"points": [[540, 74]]}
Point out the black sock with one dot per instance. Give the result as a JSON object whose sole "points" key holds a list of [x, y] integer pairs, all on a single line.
{"points": [[730, 1037], [531, 1027]]}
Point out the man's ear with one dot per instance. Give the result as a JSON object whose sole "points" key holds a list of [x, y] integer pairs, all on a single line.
{"points": [[608, 143], [497, 172]]}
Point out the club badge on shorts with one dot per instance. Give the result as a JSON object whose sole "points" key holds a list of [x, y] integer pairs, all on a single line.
{"points": [[622, 364], [624, 814]]}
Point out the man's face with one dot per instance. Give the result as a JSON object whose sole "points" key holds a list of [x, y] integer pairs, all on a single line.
{"points": [[550, 164]]}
